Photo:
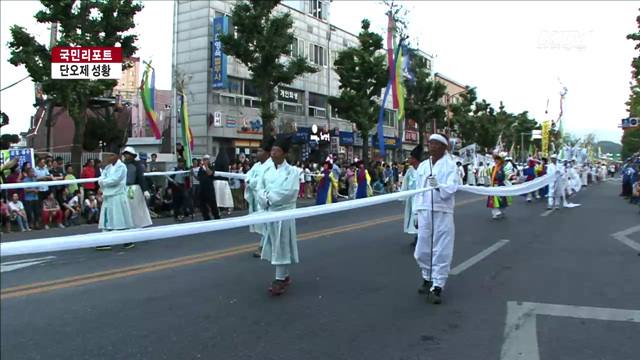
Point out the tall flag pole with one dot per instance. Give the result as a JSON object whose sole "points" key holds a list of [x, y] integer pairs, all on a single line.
{"points": [[391, 49], [187, 135], [381, 117], [146, 94]]}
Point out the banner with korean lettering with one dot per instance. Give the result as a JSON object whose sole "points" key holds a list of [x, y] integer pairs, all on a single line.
{"points": [[89, 63], [23, 155], [545, 138], [219, 59]]}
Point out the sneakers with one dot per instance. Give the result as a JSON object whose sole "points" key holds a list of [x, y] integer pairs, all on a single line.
{"points": [[414, 242], [104, 247], [61, 226], [425, 288], [258, 253], [436, 295], [278, 286], [46, 227]]}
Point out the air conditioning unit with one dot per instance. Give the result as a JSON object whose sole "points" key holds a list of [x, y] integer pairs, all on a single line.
{"points": [[167, 106]]}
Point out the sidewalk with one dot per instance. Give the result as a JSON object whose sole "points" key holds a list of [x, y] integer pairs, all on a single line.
{"points": [[93, 228]]}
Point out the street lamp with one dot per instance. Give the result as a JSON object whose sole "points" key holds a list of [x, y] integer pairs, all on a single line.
{"points": [[449, 98]]}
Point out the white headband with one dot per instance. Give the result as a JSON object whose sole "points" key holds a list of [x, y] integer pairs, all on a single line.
{"points": [[440, 138]]}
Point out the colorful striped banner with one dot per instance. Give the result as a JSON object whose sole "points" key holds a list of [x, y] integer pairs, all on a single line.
{"points": [[147, 90]]}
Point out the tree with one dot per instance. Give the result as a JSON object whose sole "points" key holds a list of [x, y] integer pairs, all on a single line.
{"points": [[261, 38], [422, 98], [631, 137], [99, 23], [7, 139], [363, 74], [461, 116]]}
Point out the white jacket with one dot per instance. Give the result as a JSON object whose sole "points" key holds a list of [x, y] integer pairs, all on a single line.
{"points": [[446, 174]]}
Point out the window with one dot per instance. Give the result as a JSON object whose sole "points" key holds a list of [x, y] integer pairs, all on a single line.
{"points": [[389, 118], [317, 105], [297, 48], [334, 113], [249, 89], [318, 55], [130, 83], [318, 9], [428, 64], [229, 100], [234, 85], [290, 108], [131, 73], [334, 56]]}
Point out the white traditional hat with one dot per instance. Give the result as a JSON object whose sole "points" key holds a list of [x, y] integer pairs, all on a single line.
{"points": [[129, 150], [554, 156]]}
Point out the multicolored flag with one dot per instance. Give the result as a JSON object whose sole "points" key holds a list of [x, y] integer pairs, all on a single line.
{"points": [[147, 94], [187, 135]]}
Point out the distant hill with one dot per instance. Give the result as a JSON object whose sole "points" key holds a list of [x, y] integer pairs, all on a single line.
{"points": [[609, 147]]}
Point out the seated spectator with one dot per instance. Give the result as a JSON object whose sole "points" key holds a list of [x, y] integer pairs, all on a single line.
{"points": [[70, 214], [75, 203], [91, 212], [4, 211], [17, 213], [51, 211]]}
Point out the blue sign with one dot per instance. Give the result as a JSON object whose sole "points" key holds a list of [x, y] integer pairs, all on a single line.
{"points": [[302, 136], [346, 138], [24, 155], [389, 141], [219, 59]]}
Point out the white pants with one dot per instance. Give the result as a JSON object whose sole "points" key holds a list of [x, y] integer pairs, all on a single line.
{"points": [[556, 191], [444, 234]]}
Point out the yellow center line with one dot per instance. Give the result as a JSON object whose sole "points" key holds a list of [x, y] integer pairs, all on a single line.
{"points": [[46, 286]]}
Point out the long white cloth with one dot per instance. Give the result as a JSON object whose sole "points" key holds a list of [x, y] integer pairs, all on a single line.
{"points": [[224, 199], [138, 205], [409, 183], [443, 239]]}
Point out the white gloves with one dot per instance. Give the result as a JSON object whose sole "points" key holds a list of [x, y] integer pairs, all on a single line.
{"points": [[433, 182], [146, 195]]}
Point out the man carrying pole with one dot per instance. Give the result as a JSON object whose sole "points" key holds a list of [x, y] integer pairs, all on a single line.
{"points": [[434, 209]]}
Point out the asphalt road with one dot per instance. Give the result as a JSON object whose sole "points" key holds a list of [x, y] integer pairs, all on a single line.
{"points": [[558, 286]]}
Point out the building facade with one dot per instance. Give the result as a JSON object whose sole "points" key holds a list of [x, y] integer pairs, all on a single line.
{"points": [[129, 83], [223, 106]]}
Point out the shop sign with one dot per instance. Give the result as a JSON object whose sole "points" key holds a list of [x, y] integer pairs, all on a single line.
{"points": [[319, 135], [287, 95], [411, 136], [346, 138]]}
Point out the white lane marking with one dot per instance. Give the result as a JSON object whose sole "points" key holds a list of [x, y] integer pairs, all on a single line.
{"points": [[546, 213], [520, 338], [467, 264], [19, 264], [623, 237], [27, 260]]}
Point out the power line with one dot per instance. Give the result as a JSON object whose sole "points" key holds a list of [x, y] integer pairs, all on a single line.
{"points": [[15, 83]]}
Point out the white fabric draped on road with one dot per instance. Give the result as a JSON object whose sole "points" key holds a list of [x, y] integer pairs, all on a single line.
{"points": [[82, 181], [189, 229]]}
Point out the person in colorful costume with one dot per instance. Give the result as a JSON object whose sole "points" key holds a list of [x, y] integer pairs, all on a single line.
{"points": [[541, 170], [501, 175], [409, 182], [327, 184], [529, 175], [250, 192], [363, 180]]}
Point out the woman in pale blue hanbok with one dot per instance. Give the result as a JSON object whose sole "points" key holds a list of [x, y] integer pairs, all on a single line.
{"points": [[410, 183], [115, 213], [278, 191]]}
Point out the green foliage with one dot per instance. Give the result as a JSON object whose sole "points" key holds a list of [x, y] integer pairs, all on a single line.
{"points": [[363, 74], [7, 139], [261, 38], [608, 147], [108, 131], [422, 101], [631, 138], [99, 23]]}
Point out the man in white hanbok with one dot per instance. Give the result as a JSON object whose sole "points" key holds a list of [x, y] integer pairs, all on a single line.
{"points": [[483, 174], [556, 189], [115, 213], [278, 191], [250, 192], [471, 174], [434, 209], [409, 183]]}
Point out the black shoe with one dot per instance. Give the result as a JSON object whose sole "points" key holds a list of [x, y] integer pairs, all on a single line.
{"points": [[104, 247], [436, 295], [258, 253], [415, 242], [425, 288], [128, 246]]}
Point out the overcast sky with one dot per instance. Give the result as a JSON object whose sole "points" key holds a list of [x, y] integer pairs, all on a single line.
{"points": [[496, 46]]}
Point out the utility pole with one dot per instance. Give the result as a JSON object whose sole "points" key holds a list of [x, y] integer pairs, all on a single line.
{"points": [[51, 102]]}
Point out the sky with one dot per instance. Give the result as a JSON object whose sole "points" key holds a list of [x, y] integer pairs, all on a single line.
{"points": [[502, 48]]}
